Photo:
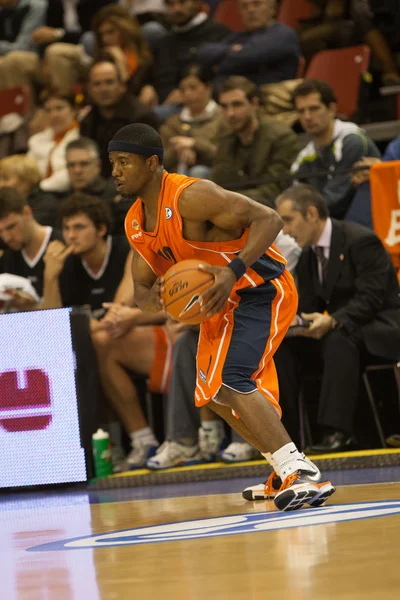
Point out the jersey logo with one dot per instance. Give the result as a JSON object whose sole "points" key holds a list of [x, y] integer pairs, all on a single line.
{"points": [[167, 253], [168, 213], [137, 237], [135, 224]]}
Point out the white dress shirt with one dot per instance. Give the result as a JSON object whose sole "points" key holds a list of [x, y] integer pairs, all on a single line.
{"points": [[325, 243]]}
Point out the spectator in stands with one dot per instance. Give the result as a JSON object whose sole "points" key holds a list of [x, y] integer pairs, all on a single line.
{"points": [[48, 146], [392, 152], [26, 242], [112, 108], [256, 147], [151, 16], [335, 145], [265, 52], [17, 22], [23, 174], [190, 137], [67, 21], [62, 40], [131, 341], [92, 267], [18, 19], [120, 35], [190, 28], [349, 295], [337, 24], [84, 170], [195, 435], [360, 210]]}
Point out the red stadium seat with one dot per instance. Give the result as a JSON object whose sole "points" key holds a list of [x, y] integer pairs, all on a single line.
{"points": [[14, 100], [291, 11], [343, 69], [227, 13]]}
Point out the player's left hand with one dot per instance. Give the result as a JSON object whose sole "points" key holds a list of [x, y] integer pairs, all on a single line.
{"points": [[214, 299], [320, 325]]}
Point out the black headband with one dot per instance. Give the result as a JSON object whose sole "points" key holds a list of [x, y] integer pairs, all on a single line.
{"points": [[131, 148]]}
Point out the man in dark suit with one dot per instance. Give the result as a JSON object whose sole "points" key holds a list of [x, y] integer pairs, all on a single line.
{"points": [[349, 297]]}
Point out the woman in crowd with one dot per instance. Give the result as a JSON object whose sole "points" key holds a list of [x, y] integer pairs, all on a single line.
{"points": [[48, 146], [120, 35], [190, 136]]}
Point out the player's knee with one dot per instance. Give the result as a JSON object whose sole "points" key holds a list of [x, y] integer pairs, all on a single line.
{"points": [[223, 396], [237, 382], [101, 339]]}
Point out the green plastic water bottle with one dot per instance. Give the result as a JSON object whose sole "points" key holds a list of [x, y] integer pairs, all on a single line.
{"points": [[102, 453]]}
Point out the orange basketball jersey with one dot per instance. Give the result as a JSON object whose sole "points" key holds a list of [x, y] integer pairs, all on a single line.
{"points": [[236, 346], [166, 246]]}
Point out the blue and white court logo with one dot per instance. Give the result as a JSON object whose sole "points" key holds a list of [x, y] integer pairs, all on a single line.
{"points": [[168, 213], [231, 525]]}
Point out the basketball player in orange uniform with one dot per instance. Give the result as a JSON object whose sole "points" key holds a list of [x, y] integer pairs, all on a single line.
{"points": [[249, 308]]}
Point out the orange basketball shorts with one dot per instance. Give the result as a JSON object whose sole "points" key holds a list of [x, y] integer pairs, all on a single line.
{"points": [[236, 347]]}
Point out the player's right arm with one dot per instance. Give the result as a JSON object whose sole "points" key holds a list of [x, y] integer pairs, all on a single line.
{"points": [[147, 285]]}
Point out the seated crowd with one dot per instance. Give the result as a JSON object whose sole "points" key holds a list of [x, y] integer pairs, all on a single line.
{"points": [[95, 66]]}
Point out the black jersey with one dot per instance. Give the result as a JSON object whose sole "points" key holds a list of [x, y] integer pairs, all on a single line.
{"points": [[80, 286], [18, 263]]}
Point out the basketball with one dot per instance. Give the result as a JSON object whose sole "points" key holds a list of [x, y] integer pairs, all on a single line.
{"points": [[183, 285]]}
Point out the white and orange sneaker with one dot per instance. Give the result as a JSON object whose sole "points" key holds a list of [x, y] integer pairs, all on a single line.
{"points": [[317, 493], [301, 488], [263, 491]]}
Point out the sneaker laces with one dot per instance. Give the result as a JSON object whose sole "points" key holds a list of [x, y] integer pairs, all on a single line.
{"points": [[289, 480], [272, 484]]}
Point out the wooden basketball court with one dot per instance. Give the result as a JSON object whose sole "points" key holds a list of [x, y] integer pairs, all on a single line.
{"points": [[347, 550]]}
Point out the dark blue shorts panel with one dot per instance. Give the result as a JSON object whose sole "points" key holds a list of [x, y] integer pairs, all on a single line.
{"points": [[251, 330]]}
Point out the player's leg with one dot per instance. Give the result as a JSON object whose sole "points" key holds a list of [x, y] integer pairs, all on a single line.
{"points": [[250, 387], [134, 353], [183, 419], [185, 422]]}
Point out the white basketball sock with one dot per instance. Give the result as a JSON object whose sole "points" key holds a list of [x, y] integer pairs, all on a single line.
{"points": [[144, 436], [288, 459]]}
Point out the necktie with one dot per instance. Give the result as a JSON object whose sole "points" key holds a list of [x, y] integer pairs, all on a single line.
{"points": [[323, 262]]}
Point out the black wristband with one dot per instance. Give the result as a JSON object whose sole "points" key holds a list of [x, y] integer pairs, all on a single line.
{"points": [[238, 267]]}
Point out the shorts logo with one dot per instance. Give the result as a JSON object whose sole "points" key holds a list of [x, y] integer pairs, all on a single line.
{"points": [[203, 376], [135, 224], [259, 522], [168, 213]]}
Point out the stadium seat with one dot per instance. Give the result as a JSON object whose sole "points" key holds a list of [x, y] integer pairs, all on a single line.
{"points": [[14, 100], [343, 69], [227, 13], [292, 11]]}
